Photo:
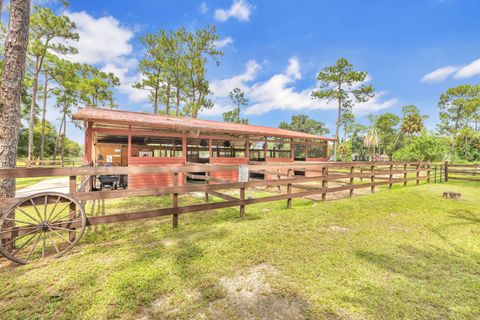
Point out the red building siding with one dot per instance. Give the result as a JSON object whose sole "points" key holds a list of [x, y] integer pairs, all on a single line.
{"points": [[145, 181], [228, 175]]}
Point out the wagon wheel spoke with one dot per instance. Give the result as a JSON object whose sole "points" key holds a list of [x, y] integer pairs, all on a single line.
{"points": [[43, 246], [22, 236], [59, 235], [45, 208], [58, 213], [54, 207], [60, 228], [61, 222], [10, 229], [36, 209], [65, 216], [21, 221], [25, 243], [25, 213], [53, 242], [34, 246]]}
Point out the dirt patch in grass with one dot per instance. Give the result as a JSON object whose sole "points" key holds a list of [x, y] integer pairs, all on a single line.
{"points": [[249, 296], [245, 296], [338, 229]]}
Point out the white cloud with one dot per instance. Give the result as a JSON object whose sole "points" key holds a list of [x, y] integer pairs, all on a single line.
{"points": [[239, 10], [440, 74], [123, 72], [105, 43], [279, 93], [374, 104], [459, 72], [221, 88], [223, 42], [203, 8], [470, 70], [101, 39], [293, 69]]}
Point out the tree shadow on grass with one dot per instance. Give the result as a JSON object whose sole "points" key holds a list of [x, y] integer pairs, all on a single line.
{"points": [[435, 282], [464, 218]]}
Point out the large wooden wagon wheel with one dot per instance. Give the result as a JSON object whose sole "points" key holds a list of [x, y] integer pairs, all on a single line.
{"points": [[44, 225]]}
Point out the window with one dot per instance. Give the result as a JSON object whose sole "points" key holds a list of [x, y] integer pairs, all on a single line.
{"points": [[157, 147], [111, 150], [228, 149], [299, 152], [279, 150], [257, 151], [198, 150], [317, 150]]}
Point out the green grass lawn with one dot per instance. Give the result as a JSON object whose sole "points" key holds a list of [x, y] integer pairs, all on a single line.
{"points": [[399, 254]]}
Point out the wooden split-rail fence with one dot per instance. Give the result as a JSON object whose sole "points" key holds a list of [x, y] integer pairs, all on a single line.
{"points": [[465, 172], [286, 181]]}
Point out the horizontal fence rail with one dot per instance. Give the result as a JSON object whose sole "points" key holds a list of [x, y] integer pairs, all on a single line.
{"points": [[465, 172], [287, 181]]}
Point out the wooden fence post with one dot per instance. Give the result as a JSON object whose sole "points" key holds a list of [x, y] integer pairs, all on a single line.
{"points": [[278, 178], [405, 174], [418, 173], [242, 197], [289, 189], [352, 169], [446, 171], [207, 174], [428, 172], [390, 177], [175, 201], [324, 182], [372, 178], [72, 188]]}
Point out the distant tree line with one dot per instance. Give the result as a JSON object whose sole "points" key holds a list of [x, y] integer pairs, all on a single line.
{"points": [[404, 138]]}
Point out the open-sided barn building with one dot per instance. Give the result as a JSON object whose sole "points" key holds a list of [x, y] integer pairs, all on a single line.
{"points": [[123, 138]]}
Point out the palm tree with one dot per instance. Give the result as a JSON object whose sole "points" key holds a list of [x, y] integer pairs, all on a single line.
{"points": [[371, 141], [15, 52]]}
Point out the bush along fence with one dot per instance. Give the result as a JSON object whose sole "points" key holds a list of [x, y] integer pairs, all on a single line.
{"points": [[49, 224]]}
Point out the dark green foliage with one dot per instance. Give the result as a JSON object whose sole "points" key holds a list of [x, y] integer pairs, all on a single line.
{"points": [[458, 106], [302, 123], [468, 145], [72, 148], [425, 147], [388, 131], [412, 121]]}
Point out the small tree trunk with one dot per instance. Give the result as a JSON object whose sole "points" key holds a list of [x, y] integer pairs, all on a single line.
{"points": [[177, 111], [167, 104], [44, 111], [57, 140], [155, 101], [63, 137], [337, 129], [15, 52], [31, 121]]}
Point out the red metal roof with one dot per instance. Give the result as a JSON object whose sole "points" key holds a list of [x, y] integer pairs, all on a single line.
{"points": [[109, 116]]}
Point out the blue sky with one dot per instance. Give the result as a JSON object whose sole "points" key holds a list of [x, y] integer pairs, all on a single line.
{"points": [[412, 50]]}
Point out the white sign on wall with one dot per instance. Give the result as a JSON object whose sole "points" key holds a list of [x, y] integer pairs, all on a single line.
{"points": [[243, 173]]}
